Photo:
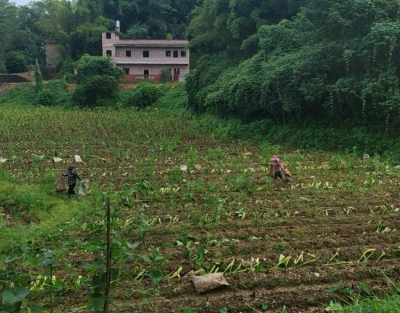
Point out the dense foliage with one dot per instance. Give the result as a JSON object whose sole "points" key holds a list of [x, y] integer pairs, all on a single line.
{"points": [[76, 26], [321, 59], [145, 94], [97, 80], [15, 62], [54, 93]]}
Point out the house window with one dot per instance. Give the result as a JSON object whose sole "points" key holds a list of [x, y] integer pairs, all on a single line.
{"points": [[108, 35], [126, 70], [128, 53], [176, 54], [183, 54], [146, 73], [146, 54], [168, 53], [108, 53]]}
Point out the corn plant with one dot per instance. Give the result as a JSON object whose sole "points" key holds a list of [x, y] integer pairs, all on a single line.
{"points": [[283, 261]]}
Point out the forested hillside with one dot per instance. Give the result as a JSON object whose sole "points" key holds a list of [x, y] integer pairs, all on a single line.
{"points": [[285, 61]]}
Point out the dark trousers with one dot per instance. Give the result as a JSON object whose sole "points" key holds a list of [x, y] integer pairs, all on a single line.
{"points": [[278, 174], [71, 190]]}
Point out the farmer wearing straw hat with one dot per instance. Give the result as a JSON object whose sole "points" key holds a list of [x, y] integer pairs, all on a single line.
{"points": [[71, 177], [277, 170]]}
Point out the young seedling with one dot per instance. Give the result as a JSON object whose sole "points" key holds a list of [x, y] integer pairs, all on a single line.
{"points": [[381, 228], [253, 308], [283, 260], [334, 307], [396, 287], [241, 213], [334, 256], [300, 259], [214, 269], [381, 256], [366, 255]]}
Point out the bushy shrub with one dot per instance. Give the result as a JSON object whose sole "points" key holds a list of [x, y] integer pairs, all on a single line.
{"points": [[173, 98], [38, 78], [23, 94], [165, 75], [57, 85], [67, 70], [143, 95], [97, 80], [45, 97], [55, 92]]}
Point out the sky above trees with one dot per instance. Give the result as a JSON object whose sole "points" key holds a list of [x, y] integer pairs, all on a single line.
{"points": [[22, 2]]}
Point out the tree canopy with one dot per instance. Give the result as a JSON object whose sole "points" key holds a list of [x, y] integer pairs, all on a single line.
{"points": [[76, 26], [316, 58], [97, 80]]}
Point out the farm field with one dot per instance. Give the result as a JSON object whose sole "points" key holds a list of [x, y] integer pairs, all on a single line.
{"points": [[184, 199]]}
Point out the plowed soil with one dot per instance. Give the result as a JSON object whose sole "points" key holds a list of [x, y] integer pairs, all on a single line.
{"points": [[335, 223]]}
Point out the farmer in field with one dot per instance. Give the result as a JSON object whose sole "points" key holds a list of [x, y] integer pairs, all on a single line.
{"points": [[276, 168], [71, 177]]}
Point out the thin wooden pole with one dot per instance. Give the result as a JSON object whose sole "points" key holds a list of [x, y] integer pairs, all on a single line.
{"points": [[108, 257]]}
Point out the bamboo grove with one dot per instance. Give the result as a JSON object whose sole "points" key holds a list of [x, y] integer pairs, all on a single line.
{"points": [[317, 60]]}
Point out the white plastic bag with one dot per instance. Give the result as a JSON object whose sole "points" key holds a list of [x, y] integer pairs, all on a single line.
{"points": [[56, 159], [83, 187], [78, 159]]}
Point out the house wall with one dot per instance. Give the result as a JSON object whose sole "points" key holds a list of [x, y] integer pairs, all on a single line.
{"points": [[153, 71], [52, 54], [156, 54], [109, 44], [137, 63]]}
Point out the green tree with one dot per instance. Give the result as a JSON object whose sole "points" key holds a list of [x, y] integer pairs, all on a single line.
{"points": [[15, 62], [97, 81], [318, 59], [220, 25], [8, 22], [143, 18], [86, 38]]}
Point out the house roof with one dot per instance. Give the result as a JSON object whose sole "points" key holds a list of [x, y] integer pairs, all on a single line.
{"points": [[152, 43]]}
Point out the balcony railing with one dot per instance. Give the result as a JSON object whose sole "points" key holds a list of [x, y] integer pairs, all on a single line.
{"points": [[129, 78]]}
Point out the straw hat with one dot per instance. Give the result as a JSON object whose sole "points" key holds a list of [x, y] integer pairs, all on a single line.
{"points": [[274, 158]]}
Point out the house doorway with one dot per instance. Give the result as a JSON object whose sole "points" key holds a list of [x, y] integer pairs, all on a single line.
{"points": [[146, 73], [176, 73]]}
